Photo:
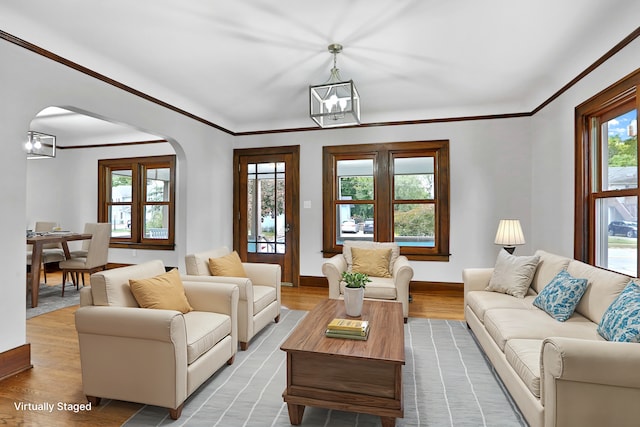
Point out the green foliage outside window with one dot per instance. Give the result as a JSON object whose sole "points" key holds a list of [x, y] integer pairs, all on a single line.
{"points": [[623, 152]]}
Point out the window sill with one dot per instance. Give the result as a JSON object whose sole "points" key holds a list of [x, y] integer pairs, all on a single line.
{"points": [[146, 246]]}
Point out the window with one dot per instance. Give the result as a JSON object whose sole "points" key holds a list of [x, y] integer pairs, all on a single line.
{"points": [[137, 196], [395, 192], [607, 178]]}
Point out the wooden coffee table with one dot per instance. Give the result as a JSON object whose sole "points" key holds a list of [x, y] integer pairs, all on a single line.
{"points": [[344, 374]]}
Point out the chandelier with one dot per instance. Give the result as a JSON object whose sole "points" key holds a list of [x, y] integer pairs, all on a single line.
{"points": [[336, 102], [40, 145]]}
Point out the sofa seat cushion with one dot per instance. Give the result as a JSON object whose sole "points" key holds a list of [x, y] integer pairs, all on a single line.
{"points": [[204, 331], [262, 297], [524, 357], [481, 301], [504, 324]]}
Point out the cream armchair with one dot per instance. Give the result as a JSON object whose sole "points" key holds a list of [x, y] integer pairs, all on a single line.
{"points": [[152, 356], [395, 287], [260, 297]]}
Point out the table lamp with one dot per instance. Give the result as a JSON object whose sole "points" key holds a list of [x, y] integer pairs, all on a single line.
{"points": [[509, 234]]}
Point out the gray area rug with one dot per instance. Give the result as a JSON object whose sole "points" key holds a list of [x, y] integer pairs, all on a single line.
{"points": [[50, 299], [447, 382]]}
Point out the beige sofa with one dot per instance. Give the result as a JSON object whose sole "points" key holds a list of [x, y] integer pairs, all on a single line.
{"points": [[558, 373], [152, 356], [260, 293]]}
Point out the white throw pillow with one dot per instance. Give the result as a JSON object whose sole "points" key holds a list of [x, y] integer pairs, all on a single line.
{"points": [[513, 274]]}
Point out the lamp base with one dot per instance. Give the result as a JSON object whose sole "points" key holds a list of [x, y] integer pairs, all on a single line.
{"points": [[509, 249]]}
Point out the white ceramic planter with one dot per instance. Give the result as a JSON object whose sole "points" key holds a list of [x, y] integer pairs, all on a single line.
{"points": [[353, 298]]}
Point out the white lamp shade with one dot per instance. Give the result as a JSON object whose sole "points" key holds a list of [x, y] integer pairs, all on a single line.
{"points": [[509, 233]]}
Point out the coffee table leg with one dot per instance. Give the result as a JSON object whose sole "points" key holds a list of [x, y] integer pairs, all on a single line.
{"points": [[388, 421], [295, 413]]}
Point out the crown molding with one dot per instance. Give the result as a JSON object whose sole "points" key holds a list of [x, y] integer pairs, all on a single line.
{"points": [[57, 58]]}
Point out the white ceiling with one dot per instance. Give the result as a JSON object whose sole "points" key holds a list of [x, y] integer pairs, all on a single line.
{"points": [[246, 65]]}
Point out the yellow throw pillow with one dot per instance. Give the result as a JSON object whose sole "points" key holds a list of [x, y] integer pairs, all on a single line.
{"points": [[229, 265], [373, 262], [165, 291]]}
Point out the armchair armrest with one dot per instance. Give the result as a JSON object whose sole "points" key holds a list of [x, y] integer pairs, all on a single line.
{"points": [[242, 283], [263, 274], [402, 274], [589, 382], [221, 298], [131, 322], [122, 349], [332, 269]]}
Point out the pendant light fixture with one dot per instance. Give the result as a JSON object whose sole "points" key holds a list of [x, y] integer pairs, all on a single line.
{"points": [[40, 145], [335, 103]]}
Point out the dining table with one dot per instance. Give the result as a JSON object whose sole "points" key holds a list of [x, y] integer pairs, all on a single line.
{"points": [[37, 242]]}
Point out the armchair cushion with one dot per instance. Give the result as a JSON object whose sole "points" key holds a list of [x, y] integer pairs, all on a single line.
{"points": [[373, 262], [346, 251], [164, 291], [378, 288], [262, 297], [204, 331], [229, 265]]}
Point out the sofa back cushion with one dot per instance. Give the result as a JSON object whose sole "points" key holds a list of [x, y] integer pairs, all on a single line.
{"points": [[603, 288], [548, 267], [111, 287]]}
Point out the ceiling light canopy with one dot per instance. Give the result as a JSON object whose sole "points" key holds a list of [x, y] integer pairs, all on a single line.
{"points": [[40, 145], [335, 103]]}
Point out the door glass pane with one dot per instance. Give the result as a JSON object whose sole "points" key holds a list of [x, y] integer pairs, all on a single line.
{"points": [[354, 222], [156, 222], [355, 179], [252, 234], [413, 178], [158, 185], [620, 152], [120, 186], [266, 208], [617, 234], [120, 218], [414, 224]]}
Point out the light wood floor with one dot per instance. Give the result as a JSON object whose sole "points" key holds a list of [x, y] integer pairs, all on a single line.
{"points": [[56, 377]]}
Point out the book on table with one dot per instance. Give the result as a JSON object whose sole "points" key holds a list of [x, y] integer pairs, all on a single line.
{"points": [[346, 335], [348, 328], [349, 325]]}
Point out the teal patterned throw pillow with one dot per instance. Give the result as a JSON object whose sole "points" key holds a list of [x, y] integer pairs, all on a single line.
{"points": [[561, 296], [621, 321]]}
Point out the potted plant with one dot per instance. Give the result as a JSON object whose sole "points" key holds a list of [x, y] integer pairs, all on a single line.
{"points": [[354, 284]]}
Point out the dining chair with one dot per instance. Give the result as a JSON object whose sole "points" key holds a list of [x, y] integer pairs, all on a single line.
{"points": [[96, 259], [51, 253], [84, 249]]}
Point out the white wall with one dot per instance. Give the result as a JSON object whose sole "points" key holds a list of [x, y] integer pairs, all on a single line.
{"points": [[553, 140], [29, 83], [490, 176]]}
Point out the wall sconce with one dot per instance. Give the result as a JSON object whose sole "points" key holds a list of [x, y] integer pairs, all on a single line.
{"points": [[509, 234], [40, 145]]}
